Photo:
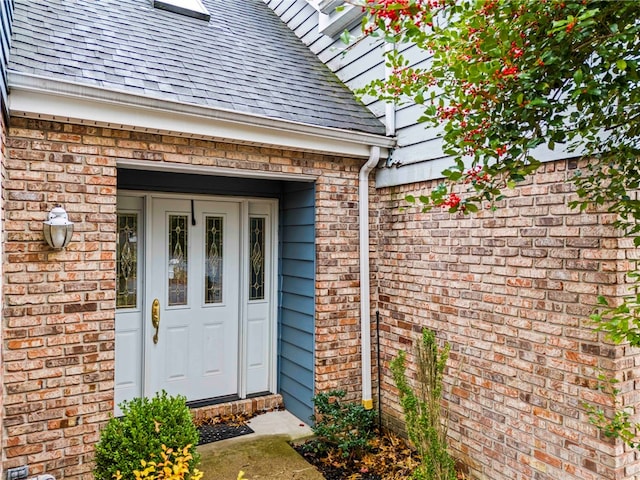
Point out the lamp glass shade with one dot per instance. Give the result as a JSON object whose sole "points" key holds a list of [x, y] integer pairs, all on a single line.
{"points": [[58, 230]]}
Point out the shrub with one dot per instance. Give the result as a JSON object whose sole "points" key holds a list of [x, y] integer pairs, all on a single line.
{"points": [[345, 426], [422, 407], [140, 434]]}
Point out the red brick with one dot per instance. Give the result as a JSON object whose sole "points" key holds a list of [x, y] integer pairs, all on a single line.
{"points": [[505, 288], [529, 301]]}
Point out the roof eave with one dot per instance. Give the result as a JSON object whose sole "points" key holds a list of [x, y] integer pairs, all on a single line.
{"points": [[40, 97]]}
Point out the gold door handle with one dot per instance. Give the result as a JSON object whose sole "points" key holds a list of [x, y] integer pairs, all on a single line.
{"points": [[155, 318]]}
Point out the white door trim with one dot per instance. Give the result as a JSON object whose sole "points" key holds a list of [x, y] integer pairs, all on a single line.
{"points": [[242, 328]]}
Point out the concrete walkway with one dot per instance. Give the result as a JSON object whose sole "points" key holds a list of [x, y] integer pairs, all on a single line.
{"points": [[263, 455]]}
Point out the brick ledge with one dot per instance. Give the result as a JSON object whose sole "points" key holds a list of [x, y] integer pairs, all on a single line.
{"points": [[248, 405]]}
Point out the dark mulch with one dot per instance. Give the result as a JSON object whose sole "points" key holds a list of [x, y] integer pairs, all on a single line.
{"points": [[389, 458]]}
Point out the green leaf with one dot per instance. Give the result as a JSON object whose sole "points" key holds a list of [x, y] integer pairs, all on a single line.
{"points": [[471, 207], [454, 176], [346, 37], [578, 76], [622, 65]]}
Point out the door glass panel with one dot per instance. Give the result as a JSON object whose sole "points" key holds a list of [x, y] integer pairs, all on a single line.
{"points": [[127, 261], [178, 242], [213, 260], [256, 252]]}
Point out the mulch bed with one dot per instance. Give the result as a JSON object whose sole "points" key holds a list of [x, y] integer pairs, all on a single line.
{"points": [[389, 459]]}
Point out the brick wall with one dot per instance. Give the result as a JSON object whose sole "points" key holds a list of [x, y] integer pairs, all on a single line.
{"points": [[3, 134], [338, 286], [60, 309], [59, 305], [511, 290]]}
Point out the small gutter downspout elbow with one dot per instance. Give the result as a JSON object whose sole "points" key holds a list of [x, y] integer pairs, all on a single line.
{"points": [[365, 295]]}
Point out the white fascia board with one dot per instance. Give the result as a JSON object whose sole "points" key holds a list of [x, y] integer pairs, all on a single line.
{"points": [[37, 97]]}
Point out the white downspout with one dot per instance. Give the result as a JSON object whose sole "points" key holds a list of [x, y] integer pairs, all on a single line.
{"points": [[390, 107], [365, 296]]}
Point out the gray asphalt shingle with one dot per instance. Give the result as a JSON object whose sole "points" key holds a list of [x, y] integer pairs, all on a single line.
{"points": [[244, 58]]}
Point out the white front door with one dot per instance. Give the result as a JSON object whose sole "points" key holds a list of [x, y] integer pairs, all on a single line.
{"points": [[203, 271], [194, 287]]}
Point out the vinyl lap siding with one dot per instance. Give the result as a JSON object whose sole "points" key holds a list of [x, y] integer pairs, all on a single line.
{"points": [[6, 20], [356, 66], [297, 302]]}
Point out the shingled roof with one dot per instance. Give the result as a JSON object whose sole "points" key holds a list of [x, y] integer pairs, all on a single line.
{"points": [[245, 59]]}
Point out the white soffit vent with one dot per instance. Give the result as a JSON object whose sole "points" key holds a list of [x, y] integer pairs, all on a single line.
{"points": [[190, 8]]}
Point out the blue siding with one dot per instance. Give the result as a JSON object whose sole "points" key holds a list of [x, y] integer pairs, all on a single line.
{"points": [[297, 320], [6, 21], [299, 251], [298, 285], [297, 299], [300, 268]]}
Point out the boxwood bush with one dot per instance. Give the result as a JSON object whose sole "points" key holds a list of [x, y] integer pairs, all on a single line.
{"points": [[145, 426]]}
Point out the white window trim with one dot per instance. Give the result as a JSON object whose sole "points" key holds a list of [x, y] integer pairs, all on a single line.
{"points": [[190, 8]]}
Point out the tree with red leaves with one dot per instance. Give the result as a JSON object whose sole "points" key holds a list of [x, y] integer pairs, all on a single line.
{"points": [[506, 77]]}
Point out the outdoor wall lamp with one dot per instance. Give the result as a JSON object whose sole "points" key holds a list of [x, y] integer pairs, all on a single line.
{"points": [[57, 228]]}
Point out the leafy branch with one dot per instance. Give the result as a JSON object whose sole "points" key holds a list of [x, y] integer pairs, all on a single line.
{"points": [[505, 78]]}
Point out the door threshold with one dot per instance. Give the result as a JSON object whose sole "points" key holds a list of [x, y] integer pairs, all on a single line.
{"points": [[207, 402]]}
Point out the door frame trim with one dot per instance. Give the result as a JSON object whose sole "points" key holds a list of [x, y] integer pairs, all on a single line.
{"points": [[243, 202]]}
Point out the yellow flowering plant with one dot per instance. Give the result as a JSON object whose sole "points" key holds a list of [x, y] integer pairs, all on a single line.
{"points": [[173, 465]]}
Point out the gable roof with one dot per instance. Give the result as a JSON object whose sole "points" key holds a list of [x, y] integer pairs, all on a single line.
{"points": [[244, 59]]}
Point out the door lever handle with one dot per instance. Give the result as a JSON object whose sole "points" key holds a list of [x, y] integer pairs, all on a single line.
{"points": [[155, 318]]}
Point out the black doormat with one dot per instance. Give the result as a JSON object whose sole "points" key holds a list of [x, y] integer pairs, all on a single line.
{"points": [[221, 431]]}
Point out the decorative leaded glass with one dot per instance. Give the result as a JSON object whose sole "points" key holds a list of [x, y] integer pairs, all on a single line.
{"points": [[127, 261], [213, 260], [178, 242], [256, 252]]}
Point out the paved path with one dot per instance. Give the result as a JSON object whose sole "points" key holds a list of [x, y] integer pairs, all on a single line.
{"points": [[263, 455]]}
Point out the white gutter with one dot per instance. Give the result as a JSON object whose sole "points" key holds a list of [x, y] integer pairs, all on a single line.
{"points": [[34, 96], [365, 294]]}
